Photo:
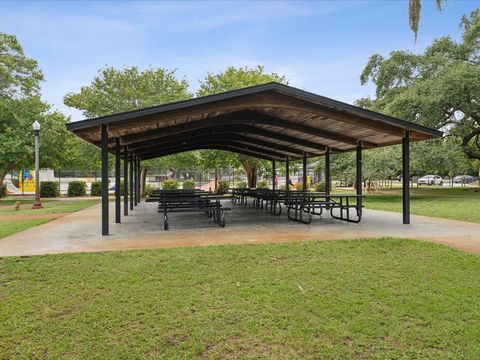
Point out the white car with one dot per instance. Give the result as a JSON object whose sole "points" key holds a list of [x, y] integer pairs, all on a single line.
{"points": [[430, 180]]}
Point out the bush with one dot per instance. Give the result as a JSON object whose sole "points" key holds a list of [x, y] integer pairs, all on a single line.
{"points": [[170, 184], [49, 189], [282, 188], [149, 189], [3, 190], [299, 187], [96, 188], [241, 185], [188, 184], [320, 186], [222, 187], [16, 182], [77, 188], [262, 184]]}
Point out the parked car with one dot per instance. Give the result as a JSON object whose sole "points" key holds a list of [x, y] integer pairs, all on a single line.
{"points": [[430, 180], [463, 179]]}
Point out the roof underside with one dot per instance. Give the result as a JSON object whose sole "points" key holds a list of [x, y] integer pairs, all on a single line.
{"points": [[270, 121]]}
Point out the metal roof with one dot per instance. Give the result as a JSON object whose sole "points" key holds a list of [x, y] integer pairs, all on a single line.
{"points": [[270, 121]]}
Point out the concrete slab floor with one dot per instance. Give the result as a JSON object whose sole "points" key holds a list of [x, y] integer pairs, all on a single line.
{"points": [[143, 229]]}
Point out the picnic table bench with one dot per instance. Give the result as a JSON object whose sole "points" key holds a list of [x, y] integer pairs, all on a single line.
{"points": [[189, 201], [302, 205]]}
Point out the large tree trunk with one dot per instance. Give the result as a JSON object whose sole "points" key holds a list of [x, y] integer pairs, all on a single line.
{"points": [[143, 180], [251, 172]]}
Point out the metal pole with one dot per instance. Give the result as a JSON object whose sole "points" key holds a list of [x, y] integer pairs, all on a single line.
{"points": [[125, 180], [287, 174], [139, 180], [273, 175], [406, 176], [104, 179], [37, 204], [135, 181], [327, 171], [117, 182], [304, 171], [359, 176], [131, 180]]}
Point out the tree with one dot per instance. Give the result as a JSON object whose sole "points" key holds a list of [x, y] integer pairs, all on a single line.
{"points": [[119, 90], [20, 106], [414, 10], [236, 78], [439, 88]]}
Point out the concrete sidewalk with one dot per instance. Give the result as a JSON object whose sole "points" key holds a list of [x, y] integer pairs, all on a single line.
{"points": [[143, 229]]}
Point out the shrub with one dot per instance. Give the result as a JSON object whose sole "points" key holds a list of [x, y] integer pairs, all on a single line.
{"points": [[262, 184], [49, 189], [3, 190], [16, 182], [282, 188], [222, 187], [320, 186], [96, 188], [299, 187], [188, 184], [149, 189], [77, 188], [241, 185], [170, 184]]}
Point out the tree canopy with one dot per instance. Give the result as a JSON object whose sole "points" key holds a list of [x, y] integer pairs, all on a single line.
{"points": [[236, 78], [119, 90], [439, 88], [20, 106]]}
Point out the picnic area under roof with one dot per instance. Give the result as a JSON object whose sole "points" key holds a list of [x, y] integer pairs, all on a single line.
{"points": [[270, 121]]}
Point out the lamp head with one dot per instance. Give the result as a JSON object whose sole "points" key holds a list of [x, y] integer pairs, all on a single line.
{"points": [[36, 126]]}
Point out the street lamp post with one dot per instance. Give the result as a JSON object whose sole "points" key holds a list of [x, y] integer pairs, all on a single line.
{"points": [[36, 131]]}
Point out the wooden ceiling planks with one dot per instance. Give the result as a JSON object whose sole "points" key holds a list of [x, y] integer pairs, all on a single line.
{"points": [[270, 119]]}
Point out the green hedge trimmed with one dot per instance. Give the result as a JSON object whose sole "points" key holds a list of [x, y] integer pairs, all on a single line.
{"points": [[96, 188], [170, 184], [149, 189], [49, 189], [262, 184], [222, 187], [77, 188], [320, 186], [188, 184], [241, 185]]}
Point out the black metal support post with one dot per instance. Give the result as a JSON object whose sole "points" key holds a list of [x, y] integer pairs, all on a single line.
{"points": [[304, 171], [125, 180], [359, 175], [131, 180], [139, 197], [328, 181], [104, 143], [118, 205], [287, 174], [135, 181], [273, 174], [406, 177]]}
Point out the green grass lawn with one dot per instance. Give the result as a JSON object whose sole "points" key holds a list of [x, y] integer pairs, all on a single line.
{"points": [[457, 203], [381, 298], [50, 206]]}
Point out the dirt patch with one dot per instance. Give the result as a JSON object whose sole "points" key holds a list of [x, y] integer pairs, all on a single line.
{"points": [[4, 218]]}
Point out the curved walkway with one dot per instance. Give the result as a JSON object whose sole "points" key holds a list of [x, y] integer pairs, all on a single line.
{"points": [[143, 229]]}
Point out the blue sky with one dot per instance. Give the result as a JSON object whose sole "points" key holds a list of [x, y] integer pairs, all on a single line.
{"points": [[320, 46]]}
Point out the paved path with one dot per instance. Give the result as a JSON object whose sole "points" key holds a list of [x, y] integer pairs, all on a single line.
{"points": [[143, 229]]}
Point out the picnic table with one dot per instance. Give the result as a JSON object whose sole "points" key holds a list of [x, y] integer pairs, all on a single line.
{"points": [[189, 201], [302, 205]]}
